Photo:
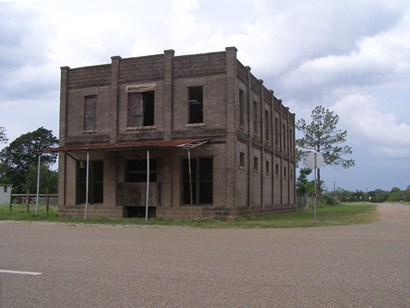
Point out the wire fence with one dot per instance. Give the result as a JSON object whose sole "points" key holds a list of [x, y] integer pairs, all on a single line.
{"points": [[31, 200]]}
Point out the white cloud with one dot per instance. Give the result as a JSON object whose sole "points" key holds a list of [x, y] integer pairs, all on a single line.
{"points": [[380, 131]]}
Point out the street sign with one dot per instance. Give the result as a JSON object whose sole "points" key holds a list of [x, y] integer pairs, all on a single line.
{"points": [[315, 160]]}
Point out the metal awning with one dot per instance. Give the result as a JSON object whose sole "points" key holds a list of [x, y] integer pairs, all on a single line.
{"points": [[129, 145]]}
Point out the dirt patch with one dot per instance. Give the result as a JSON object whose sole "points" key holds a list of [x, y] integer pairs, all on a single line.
{"points": [[394, 212]]}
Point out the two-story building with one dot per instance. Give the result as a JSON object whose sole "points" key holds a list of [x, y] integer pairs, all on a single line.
{"points": [[199, 133]]}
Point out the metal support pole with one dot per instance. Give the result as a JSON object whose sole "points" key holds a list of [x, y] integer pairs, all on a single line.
{"points": [[315, 195], [190, 178], [147, 192], [38, 182], [87, 179]]}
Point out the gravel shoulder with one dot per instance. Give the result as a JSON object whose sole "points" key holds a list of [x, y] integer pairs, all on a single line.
{"points": [[393, 212]]}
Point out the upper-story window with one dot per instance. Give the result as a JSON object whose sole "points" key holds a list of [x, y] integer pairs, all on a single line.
{"points": [[255, 117], [267, 125], [140, 109], [277, 135], [90, 118], [196, 114], [241, 108]]}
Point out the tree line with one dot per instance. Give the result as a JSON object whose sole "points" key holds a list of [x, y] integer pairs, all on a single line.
{"points": [[19, 161]]}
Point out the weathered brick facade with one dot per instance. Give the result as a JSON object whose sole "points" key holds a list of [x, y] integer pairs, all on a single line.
{"points": [[248, 134]]}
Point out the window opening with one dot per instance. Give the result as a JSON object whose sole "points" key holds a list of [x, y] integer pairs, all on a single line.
{"points": [[267, 124], [95, 184], [241, 108], [141, 109], [241, 159], [195, 104], [202, 181], [90, 103], [255, 117], [137, 170]]}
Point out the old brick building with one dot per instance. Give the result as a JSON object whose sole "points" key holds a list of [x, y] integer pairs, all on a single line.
{"points": [[214, 141]]}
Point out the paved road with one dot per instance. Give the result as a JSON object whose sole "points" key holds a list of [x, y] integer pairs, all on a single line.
{"points": [[109, 266]]}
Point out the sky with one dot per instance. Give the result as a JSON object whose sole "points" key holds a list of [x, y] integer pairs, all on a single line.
{"points": [[350, 56]]}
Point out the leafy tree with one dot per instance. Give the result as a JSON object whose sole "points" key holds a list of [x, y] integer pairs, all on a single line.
{"points": [[304, 186], [3, 137], [21, 154], [322, 135], [48, 180], [378, 195]]}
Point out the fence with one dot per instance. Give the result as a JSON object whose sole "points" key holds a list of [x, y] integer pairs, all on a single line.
{"points": [[31, 199]]}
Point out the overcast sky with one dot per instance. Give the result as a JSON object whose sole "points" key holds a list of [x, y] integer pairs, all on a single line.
{"points": [[352, 56]]}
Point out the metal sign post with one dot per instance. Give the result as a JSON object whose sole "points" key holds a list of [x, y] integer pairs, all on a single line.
{"points": [[38, 182], [315, 160]]}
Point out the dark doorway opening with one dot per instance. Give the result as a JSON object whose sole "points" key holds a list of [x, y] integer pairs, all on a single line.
{"points": [[139, 212]]}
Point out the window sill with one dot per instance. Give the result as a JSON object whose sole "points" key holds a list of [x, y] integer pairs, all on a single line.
{"points": [[195, 125], [89, 131], [140, 128]]}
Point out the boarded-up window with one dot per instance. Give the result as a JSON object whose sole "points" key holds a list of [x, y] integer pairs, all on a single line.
{"points": [[140, 109], [90, 103]]}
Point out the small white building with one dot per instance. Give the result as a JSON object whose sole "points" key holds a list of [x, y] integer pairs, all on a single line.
{"points": [[5, 194]]}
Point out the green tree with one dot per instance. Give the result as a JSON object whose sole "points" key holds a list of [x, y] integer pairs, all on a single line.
{"points": [[3, 137], [322, 135], [304, 186], [48, 180], [20, 155]]}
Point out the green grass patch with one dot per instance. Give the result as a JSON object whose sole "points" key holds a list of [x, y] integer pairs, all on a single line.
{"points": [[341, 214]]}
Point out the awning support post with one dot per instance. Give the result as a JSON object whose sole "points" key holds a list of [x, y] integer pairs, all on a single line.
{"points": [[87, 180], [147, 192]]}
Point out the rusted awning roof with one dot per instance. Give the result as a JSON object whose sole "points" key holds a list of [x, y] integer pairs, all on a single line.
{"points": [[127, 145]]}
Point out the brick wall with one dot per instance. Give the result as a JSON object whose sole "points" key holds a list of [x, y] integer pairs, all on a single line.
{"points": [[237, 190]]}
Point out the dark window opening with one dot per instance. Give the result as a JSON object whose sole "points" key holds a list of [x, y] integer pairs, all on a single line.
{"points": [[5, 189], [255, 117], [137, 170], [290, 140], [201, 180], [139, 212], [255, 163], [267, 125], [141, 109], [267, 166], [277, 169], [195, 105], [284, 136], [277, 131], [90, 103], [241, 108], [241, 159], [95, 182]]}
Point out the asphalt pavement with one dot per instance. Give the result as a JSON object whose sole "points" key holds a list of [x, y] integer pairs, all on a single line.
{"points": [[74, 265]]}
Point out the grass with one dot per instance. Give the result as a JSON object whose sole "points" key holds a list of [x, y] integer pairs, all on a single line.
{"points": [[341, 214]]}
